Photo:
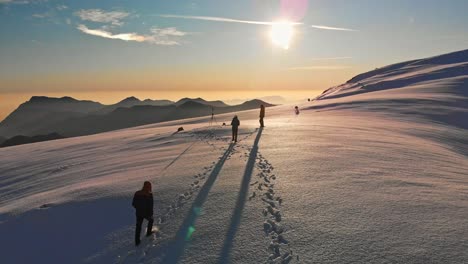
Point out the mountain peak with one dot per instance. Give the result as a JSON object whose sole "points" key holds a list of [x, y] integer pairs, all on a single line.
{"points": [[130, 99], [191, 104], [43, 99], [192, 99]]}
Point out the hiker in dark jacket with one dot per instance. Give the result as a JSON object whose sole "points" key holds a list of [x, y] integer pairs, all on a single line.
{"points": [[262, 115], [235, 125], [143, 203]]}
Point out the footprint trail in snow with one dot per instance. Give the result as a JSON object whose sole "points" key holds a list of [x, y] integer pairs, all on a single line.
{"points": [[262, 188]]}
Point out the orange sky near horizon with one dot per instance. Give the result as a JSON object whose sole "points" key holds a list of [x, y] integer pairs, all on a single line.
{"points": [[211, 83]]}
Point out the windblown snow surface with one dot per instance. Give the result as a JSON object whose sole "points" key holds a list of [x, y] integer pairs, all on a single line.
{"points": [[372, 171]]}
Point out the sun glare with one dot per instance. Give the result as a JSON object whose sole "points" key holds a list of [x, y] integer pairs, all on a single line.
{"points": [[281, 33]]}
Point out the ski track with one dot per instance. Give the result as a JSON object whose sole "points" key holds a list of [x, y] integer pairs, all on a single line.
{"points": [[263, 188]]}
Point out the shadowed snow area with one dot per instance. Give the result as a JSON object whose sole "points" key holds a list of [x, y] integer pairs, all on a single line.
{"points": [[372, 171]]}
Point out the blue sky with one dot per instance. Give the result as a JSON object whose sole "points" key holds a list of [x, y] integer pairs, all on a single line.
{"points": [[68, 47]]}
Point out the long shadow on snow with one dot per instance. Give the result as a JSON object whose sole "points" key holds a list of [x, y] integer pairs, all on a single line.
{"points": [[241, 199], [186, 229]]}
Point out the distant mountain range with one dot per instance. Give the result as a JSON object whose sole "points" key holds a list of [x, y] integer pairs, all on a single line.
{"points": [[132, 101], [69, 117]]}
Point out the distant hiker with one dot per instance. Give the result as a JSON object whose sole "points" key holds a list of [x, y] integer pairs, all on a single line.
{"points": [[143, 203], [235, 125], [308, 99], [262, 115], [296, 110]]}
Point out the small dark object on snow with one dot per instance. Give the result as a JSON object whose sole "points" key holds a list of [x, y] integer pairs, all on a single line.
{"points": [[296, 109], [178, 130], [45, 206], [224, 124]]}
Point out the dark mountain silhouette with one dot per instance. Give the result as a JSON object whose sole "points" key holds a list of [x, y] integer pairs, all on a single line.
{"points": [[254, 104], [157, 102], [142, 115], [117, 119], [2, 139], [273, 99], [20, 140], [201, 101], [133, 101], [41, 112]]}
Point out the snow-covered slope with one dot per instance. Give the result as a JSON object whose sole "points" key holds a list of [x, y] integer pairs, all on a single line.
{"points": [[373, 177]]}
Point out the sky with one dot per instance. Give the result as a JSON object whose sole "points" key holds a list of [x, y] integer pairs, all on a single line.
{"points": [[108, 50]]}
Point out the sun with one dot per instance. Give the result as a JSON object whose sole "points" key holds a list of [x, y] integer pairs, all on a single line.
{"points": [[281, 33]]}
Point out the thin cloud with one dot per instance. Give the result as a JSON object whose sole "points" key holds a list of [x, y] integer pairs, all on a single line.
{"points": [[106, 34], [167, 32], [231, 20], [224, 19], [160, 36], [331, 28], [62, 7], [97, 15], [49, 16], [43, 15], [315, 68]]}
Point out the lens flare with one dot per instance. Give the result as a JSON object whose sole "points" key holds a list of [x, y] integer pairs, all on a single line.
{"points": [[281, 33]]}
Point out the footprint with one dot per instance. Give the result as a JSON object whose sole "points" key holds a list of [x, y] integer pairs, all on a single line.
{"points": [[282, 240], [267, 227], [46, 206], [287, 257], [269, 202]]}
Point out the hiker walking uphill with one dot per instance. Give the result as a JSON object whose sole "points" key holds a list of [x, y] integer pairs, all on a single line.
{"points": [[143, 204], [262, 115], [235, 125]]}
